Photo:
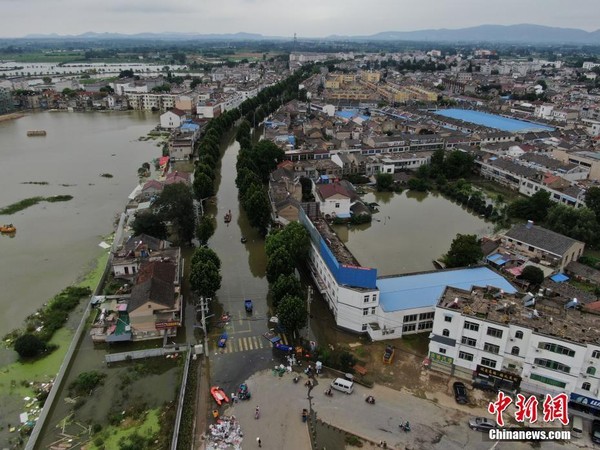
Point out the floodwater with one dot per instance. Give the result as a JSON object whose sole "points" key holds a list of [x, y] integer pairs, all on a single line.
{"points": [[410, 230], [57, 243]]}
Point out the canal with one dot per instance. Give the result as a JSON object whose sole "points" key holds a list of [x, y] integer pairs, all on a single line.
{"points": [[410, 230]]}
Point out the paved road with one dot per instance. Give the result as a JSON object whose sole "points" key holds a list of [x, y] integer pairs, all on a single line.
{"points": [[434, 425]]}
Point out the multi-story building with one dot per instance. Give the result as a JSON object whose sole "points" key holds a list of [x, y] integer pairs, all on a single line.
{"points": [[386, 307], [536, 344], [151, 102]]}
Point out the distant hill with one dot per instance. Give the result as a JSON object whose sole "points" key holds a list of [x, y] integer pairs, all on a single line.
{"points": [[523, 33]]}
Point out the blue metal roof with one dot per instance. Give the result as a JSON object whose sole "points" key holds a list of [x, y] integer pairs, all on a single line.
{"points": [[559, 278], [423, 290], [497, 259], [493, 120]]}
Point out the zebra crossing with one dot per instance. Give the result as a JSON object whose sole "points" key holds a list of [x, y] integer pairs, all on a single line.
{"points": [[245, 344]]}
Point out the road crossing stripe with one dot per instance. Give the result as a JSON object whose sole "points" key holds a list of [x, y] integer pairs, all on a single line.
{"points": [[244, 344]]}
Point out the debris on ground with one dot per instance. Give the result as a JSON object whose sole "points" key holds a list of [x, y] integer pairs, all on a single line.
{"points": [[225, 434]]}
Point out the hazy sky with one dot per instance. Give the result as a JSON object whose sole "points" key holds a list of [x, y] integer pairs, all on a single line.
{"points": [[307, 18]]}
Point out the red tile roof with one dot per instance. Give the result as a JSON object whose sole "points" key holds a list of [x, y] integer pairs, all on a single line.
{"points": [[329, 190]]}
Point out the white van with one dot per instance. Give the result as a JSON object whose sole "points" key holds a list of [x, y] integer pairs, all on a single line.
{"points": [[576, 426], [343, 385]]}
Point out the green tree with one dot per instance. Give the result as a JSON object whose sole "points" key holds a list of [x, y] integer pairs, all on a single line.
{"points": [[592, 200], [150, 224], [47, 80], [86, 382], [205, 254], [267, 156], [294, 238], [458, 164], [175, 204], [279, 263], [205, 229], [292, 314], [285, 285], [464, 251], [205, 279], [29, 345], [258, 208], [580, 224], [384, 181], [203, 186], [533, 274]]}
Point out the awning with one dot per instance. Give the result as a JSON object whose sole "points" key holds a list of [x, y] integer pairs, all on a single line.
{"points": [[559, 278]]}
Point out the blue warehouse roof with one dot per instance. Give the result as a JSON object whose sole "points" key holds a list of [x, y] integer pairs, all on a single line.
{"points": [[424, 289]]}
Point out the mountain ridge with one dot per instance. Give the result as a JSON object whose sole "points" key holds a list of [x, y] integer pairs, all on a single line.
{"points": [[519, 33]]}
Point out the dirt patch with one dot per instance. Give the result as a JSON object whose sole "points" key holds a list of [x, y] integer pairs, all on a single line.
{"points": [[406, 370]]}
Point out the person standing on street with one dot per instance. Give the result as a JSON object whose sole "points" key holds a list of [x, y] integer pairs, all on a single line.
{"points": [[258, 442]]}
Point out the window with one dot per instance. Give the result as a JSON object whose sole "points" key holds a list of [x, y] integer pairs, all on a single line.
{"points": [[410, 318], [366, 299], [425, 316], [428, 325], [596, 354], [337, 205], [591, 371], [446, 332], [471, 326], [447, 319], [126, 270], [488, 362], [555, 348], [373, 310], [494, 332], [469, 341], [515, 351], [365, 311], [374, 297], [466, 356], [546, 380], [519, 335], [495, 349], [586, 386], [364, 327], [409, 327], [442, 351], [552, 365]]}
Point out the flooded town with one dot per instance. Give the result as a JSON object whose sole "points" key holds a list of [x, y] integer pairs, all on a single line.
{"points": [[227, 242]]}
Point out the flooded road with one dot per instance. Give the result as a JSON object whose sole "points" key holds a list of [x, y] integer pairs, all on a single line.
{"points": [[243, 268], [56, 243], [410, 230]]}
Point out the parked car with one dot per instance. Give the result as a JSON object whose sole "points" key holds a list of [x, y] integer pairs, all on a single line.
{"points": [[484, 385], [481, 424], [460, 393], [595, 433]]}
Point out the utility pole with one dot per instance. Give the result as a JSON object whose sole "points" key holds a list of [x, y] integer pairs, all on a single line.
{"points": [[203, 305], [308, 302]]}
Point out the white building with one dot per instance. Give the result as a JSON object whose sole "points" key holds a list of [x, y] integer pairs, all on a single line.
{"points": [[535, 344], [334, 199], [172, 119], [387, 307]]}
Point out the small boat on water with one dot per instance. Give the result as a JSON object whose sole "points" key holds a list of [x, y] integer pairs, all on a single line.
{"points": [[228, 217], [8, 228], [219, 395], [36, 133]]}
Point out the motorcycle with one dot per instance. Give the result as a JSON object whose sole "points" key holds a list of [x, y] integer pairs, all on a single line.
{"points": [[328, 393], [296, 379], [370, 400], [405, 426]]}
